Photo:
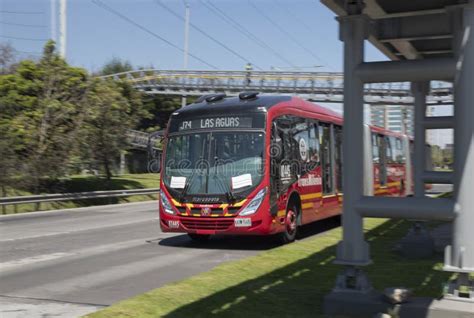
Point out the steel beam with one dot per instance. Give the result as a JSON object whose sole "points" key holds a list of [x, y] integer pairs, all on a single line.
{"points": [[442, 69], [419, 90], [413, 27], [438, 122], [353, 249], [437, 177], [461, 254], [406, 208]]}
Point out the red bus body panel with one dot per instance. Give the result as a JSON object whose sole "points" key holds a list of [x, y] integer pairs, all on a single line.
{"points": [[314, 205]]}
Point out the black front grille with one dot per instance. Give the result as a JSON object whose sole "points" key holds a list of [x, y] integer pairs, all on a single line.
{"points": [[195, 210], [233, 210], [206, 224], [181, 209], [218, 211]]}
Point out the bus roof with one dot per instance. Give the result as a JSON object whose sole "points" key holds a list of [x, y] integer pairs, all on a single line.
{"points": [[237, 105], [232, 104]]}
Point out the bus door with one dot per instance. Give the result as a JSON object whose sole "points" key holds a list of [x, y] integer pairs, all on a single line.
{"points": [[283, 174], [306, 143], [338, 162], [326, 138]]}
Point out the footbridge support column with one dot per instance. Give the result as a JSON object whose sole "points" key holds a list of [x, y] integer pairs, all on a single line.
{"points": [[459, 257]]}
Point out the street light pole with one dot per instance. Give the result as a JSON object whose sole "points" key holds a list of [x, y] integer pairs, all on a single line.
{"points": [[62, 28], [186, 46], [53, 20]]}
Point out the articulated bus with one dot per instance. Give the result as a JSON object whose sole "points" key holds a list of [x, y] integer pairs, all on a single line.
{"points": [[264, 165]]}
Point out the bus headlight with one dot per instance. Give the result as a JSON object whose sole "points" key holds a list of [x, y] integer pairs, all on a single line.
{"points": [[252, 207], [166, 203]]}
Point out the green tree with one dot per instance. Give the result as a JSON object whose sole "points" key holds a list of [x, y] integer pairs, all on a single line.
{"points": [[116, 65], [42, 109], [160, 109], [109, 115]]}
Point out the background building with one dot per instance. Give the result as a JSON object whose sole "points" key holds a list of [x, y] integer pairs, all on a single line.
{"points": [[395, 118]]}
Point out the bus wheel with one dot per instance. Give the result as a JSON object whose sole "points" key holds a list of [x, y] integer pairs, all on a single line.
{"points": [[199, 237], [291, 225]]}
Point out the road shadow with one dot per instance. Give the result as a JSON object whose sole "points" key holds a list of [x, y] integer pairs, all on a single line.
{"points": [[297, 290], [249, 243]]}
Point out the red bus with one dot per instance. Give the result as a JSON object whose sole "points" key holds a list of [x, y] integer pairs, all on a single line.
{"points": [[261, 165]]}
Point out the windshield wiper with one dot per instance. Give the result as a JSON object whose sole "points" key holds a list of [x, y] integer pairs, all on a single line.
{"points": [[228, 192]]}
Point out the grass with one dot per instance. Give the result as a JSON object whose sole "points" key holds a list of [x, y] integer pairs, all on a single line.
{"points": [[86, 184], [287, 281]]}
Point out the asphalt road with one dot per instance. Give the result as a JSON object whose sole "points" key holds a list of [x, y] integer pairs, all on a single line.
{"points": [[72, 262]]}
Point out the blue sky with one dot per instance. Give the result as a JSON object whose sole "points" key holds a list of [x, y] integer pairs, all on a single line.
{"points": [[95, 35]]}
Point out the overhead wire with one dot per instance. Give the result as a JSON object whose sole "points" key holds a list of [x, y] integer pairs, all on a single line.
{"points": [[23, 25], [240, 28], [294, 16], [289, 35], [298, 20], [20, 12], [20, 38], [207, 35], [30, 53], [155, 35]]}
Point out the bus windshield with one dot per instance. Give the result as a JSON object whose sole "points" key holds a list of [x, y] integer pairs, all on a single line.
{"points": [[216, 163]]}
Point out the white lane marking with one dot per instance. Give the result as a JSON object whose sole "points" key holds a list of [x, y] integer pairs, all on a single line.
{"points": [[86, 252], [111, 273], [73, 231], [31, 260]]}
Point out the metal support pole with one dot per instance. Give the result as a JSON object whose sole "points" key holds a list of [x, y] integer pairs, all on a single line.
{"points": [[419, 90], [62, 28], [460, 256], [54, 17], [353, 250], [122, 163], [186, 46]]}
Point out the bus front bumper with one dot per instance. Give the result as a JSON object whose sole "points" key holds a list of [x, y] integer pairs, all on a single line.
{"points": [[252, 225]]}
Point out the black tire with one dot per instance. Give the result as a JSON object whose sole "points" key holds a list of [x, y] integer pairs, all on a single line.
{"points": [[199, 237], [291, 225]]}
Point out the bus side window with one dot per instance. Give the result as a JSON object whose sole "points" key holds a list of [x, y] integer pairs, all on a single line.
{"points": [[375, 148], [313, 144], [389, 149], [326, 155], [400, 155]]}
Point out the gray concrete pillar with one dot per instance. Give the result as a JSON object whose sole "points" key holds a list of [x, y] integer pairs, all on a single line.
{"points": [[460, 256], [122, 163], [419, 91], [353, 250]]}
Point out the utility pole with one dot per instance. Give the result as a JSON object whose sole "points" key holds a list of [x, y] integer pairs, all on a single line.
{"points": [[186, 46], [54, 17], [62, 28]]}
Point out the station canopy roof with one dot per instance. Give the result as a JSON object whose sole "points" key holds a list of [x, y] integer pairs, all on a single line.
{"points": [[407, 29]]}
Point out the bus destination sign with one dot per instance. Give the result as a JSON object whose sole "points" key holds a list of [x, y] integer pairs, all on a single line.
{"points": [[216, 123]]}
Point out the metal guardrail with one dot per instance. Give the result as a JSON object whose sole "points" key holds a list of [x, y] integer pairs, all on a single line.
{"points": [[41, 198]]}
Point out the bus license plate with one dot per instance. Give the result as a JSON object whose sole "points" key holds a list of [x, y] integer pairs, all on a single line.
{"points": [[244, 222], [173, 224]]}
